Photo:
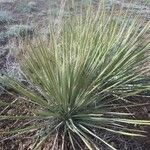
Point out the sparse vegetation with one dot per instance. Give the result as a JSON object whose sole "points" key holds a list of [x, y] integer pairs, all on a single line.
{"points": [[5, 17], [22, 31], [6, 1], [27, 7], [3, 38]]}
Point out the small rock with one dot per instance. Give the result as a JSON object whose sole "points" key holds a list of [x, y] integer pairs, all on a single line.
{"points": [[11, 112], [32, 4]]}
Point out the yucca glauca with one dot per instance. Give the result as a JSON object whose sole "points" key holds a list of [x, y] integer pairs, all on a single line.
{"points": [[81, 83]]}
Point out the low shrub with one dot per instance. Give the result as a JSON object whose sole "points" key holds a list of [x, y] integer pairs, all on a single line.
{"points": [[26, 7], [22, 31], [81, 81], [9, 67], [5, 17], [6, 1], [3, 38]]}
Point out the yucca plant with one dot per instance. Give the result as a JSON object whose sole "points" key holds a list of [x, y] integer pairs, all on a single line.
{"points": [[80, 84]]}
